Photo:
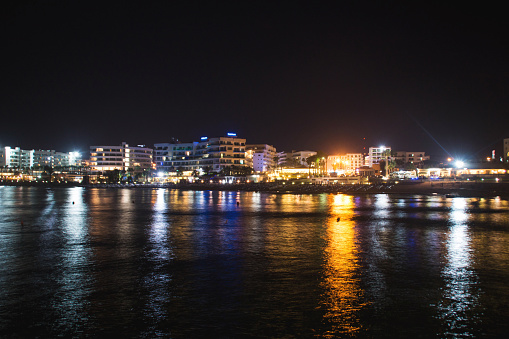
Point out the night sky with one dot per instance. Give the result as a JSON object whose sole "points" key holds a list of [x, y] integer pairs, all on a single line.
{"points": [[295, 75]]}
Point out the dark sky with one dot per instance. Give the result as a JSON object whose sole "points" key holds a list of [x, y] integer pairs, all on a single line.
{"points": [[295, 75]]}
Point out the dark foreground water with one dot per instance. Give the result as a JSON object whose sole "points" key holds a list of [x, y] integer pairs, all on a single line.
{"points": [[146, 263]]}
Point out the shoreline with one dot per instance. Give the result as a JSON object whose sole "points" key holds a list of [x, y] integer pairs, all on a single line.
{"points": [[454, 189]]}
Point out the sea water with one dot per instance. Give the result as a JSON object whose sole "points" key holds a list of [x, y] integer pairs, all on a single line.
{"points": [[180, 264]]}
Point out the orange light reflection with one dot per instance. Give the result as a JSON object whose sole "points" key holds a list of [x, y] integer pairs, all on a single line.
{"points": [[343, 296]]}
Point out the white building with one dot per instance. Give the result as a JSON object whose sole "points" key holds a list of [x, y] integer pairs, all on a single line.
{"points": [[212, 153], [377, 154], [19, 158], [262, 156], [10, 157], [122, 157]]}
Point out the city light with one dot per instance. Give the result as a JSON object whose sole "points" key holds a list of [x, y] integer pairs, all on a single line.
{"points": [[459, 164]]}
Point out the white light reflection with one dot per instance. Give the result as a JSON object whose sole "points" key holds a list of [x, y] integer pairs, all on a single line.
{"points": [[74, 280], [459, 296], [159, 254], [159, 227], [382, 205]]}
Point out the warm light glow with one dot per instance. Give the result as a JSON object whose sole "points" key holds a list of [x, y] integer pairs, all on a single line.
{"points": [[343, 298]]}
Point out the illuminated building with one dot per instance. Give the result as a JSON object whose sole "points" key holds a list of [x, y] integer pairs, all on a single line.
{"points": [[262, 156], [377, 154], [213, 154], [122, 157], [294, 158], [10, 157], [410, 157], [346, 163], [19, 158]]}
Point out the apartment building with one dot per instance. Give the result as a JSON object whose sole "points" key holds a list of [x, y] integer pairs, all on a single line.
{"points": [[213, 154], [10, 157], [20, 158], [261, 156], [297, 157], [377, 154], [345, 163], [122, 157], [410, 157]]}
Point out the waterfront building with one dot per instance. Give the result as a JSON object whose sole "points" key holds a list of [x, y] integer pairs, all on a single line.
{"points": [[282, 158], [10, 157], [262, 156], [20, 158], [208, 154], [302, 156], [345, 163], [294, 158], [366, 171], [122, 157], [410, 157], [377, 154]]}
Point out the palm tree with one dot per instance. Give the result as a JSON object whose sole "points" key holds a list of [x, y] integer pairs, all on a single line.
{"points": [[276, 161]]}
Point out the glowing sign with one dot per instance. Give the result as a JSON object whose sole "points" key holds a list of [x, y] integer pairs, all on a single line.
{"points": [[231, 134], [204, 138]]}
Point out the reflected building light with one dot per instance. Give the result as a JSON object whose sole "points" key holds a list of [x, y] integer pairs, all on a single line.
{"points": [[343, 297], [382, 206], [460, 295]]}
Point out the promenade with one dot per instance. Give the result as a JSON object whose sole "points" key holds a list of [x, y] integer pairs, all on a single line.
{"points": [[447, 188]]}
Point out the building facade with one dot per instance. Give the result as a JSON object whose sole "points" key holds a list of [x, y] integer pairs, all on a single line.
{"points": [[262, 156], [10, 157], [19, 158], [377, 154], [294, 158], [208, 154], [410, 157], [122, 157], [345, 163]]}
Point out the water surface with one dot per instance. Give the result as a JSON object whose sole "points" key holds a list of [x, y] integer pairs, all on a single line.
{"points": [[159, 262]]}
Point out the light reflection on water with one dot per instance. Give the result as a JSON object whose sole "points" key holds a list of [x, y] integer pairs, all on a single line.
{"points": [[73, 276], [343, 296], [158, 262], [460, 294]]}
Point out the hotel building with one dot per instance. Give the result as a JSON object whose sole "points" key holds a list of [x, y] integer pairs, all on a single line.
{"points": [[10, 157], [19, 158], [346, 163], [410, 157], [377, 154], [299, 157], [262, 157], [122, 157], [212, 153]]}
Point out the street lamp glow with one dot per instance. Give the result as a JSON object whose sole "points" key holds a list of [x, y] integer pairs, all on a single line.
{"points": [[459, 164]]}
